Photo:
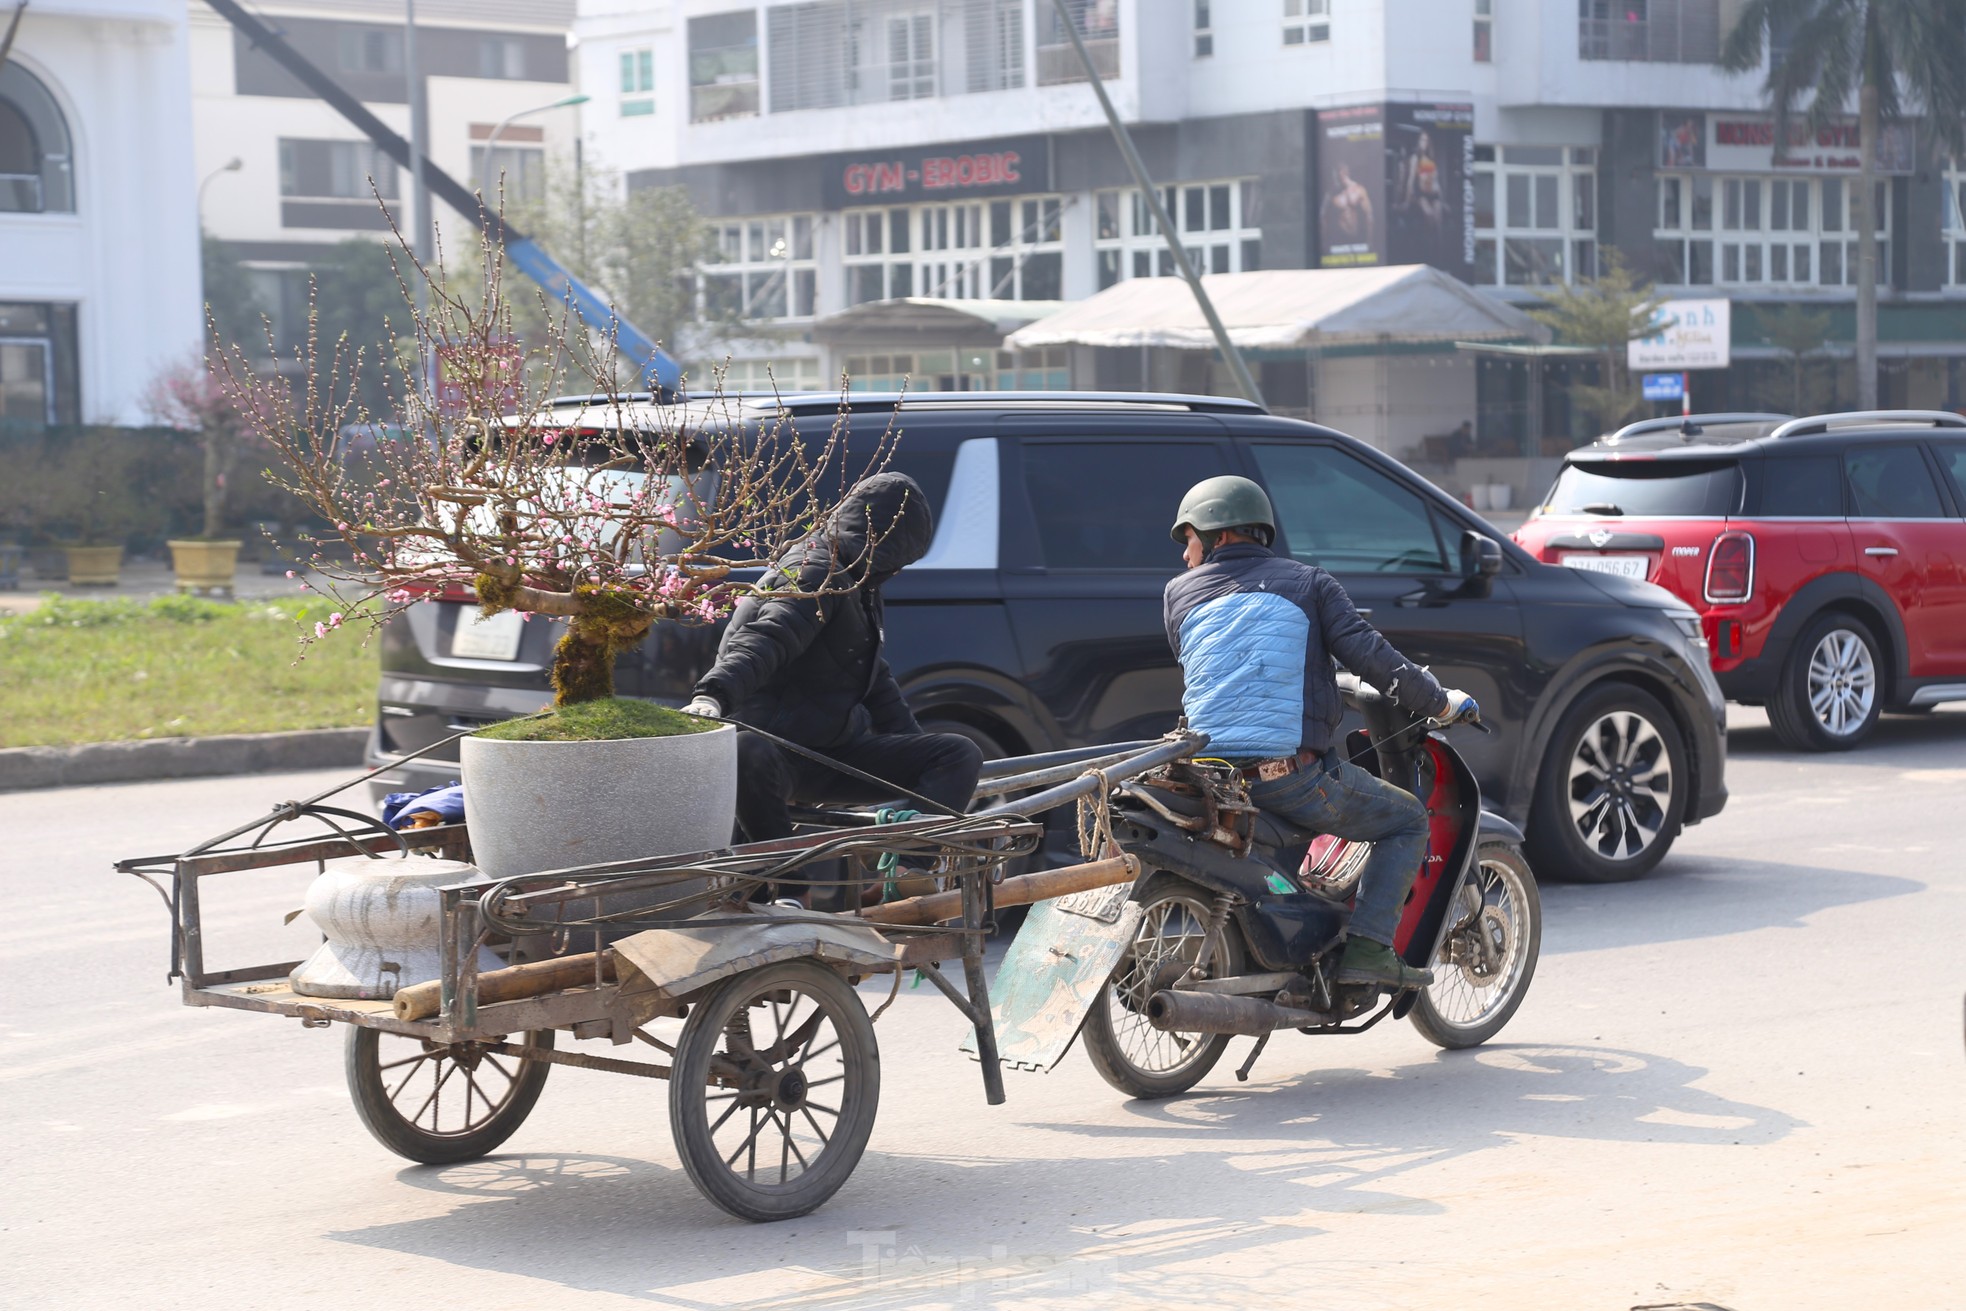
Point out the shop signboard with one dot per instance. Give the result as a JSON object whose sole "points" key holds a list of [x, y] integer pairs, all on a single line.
{"points": [[1745, 143], [1013, 166], [1396, 186], [1687, 334]]}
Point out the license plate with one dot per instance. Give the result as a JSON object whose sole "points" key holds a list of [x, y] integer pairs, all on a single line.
{"points": [[1628, 566], [496, 638]]}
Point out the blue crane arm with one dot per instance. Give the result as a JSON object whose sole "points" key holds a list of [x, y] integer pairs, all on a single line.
{"points": [[659, 371], [657, 368]]}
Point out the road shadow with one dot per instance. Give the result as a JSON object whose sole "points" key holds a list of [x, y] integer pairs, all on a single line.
{"points": [[1116, 1211], [1697, 896], [1936, 738]]}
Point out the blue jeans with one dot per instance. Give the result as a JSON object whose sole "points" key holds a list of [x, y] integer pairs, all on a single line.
{"points": [[1343, 800]]}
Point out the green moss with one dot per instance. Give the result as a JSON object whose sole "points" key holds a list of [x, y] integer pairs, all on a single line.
{"points": [[599, 721]]}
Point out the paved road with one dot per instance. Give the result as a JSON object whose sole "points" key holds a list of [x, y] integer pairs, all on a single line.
{"points": [[1737, 1082]]}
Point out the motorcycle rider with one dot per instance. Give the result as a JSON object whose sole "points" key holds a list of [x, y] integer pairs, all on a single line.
{"points": [[1255, 635], [807, 666]]}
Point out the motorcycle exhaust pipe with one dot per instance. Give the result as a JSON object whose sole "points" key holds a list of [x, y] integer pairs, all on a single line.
{"points": [[1218, 1012]]}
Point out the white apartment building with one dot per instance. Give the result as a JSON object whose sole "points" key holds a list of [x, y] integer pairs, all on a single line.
{"points": [[282, 175], [857, 152], [98, 239]]}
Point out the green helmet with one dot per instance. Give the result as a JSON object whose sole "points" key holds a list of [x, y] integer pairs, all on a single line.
{"points": [[1226, 502]]}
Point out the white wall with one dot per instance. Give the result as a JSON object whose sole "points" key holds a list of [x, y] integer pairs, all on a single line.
{"points": [[1393, 401], [128, 256]]}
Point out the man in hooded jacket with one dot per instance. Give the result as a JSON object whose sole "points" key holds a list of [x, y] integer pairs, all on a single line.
{"points": [[807, 666]]}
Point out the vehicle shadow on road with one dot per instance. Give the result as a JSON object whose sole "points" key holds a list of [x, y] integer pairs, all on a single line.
{"points": [[1141, 1207], [1898, 742], [1701, 896]]}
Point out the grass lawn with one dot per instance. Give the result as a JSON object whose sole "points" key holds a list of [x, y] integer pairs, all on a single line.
{"points": [[103, 671]]}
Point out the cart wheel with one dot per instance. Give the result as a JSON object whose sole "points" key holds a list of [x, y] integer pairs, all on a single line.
{"points": [[774, 1090], [441, 1104]]}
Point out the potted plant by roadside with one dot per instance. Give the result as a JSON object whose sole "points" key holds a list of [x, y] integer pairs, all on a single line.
{"points": [[190, 399], [91, 501], [578, 529], [17, 508]]}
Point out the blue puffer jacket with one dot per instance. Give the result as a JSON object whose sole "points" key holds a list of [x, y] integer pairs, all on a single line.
{"points": [[1255, 635]]}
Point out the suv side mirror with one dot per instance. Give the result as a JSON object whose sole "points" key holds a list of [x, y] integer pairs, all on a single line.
{"points": [[1481, 558]]}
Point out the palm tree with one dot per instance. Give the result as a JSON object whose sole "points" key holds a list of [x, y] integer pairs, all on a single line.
{"points": [[1893, 55]]}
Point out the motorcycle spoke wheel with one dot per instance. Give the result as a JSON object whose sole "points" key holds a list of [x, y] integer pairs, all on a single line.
{"points": [[1488, 955]]}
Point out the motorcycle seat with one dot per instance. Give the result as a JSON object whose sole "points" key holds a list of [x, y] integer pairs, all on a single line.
{"points": [[1268, 831]]}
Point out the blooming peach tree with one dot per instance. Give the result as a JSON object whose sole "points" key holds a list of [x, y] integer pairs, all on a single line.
{"points": [[608, 513]]}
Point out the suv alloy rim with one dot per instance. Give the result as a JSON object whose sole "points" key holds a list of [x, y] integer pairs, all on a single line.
{"points": [[1620, 785], [1842, 682]]}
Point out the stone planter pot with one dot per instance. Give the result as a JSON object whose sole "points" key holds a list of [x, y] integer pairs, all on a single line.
{"points": [[49, 563], [535, 806], [205, 568], [380, 920], [94, 566]]}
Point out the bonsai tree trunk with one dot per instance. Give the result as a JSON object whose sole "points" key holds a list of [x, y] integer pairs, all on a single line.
{"points": [[1866, 221], [583, 662]]}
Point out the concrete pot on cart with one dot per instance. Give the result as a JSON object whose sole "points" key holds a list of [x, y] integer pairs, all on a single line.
{"points": [[204, 567], [535, 806]]}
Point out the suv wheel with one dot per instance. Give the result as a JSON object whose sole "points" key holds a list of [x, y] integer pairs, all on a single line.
{"points": [[1613, 788], [1829, 697]]}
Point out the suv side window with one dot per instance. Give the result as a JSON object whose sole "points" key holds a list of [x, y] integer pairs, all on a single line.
{"points": [[1891, 482], [1336, 511], [1952, 455], [1107, 505], [1801, 487]]}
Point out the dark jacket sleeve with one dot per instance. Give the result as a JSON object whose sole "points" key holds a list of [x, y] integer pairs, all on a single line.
{"points": [[886, 707], [1170, 610], [1361, 649], [763, 640]]}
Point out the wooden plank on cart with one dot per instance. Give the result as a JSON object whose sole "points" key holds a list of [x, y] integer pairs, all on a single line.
{"points": [[1053, 973], [678, 961]]}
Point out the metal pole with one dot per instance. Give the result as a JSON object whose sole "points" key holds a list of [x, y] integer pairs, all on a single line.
{"points": [[1244, 381], [424, 238]]}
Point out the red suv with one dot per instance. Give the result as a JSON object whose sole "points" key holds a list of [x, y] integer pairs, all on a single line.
{"points": [[1826, 556]]}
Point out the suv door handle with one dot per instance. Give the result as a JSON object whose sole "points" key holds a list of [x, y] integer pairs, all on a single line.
{"points": [[1880, 550]]}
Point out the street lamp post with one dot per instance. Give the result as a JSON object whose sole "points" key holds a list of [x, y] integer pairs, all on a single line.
{"points": [[491, 141], [232, 165]]}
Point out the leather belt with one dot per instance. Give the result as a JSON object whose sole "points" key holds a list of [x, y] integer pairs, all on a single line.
{"points": [[1265, 771]]}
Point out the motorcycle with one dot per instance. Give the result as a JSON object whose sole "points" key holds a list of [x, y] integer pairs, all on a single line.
{"points": [[1237, 921]]}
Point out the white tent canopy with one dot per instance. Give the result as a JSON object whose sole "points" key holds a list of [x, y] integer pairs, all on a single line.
{"points": [[1285, 309]]}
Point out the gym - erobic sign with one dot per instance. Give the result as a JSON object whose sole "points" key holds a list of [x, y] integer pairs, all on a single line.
{"points": [[1745, 143], [1010, 167]]}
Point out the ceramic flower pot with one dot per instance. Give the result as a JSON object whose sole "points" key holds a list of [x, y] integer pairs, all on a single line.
{"points": [[94, 566], [205, 568], [535, 806], [380, 919]]}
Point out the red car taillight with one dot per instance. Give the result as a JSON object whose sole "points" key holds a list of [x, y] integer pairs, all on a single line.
{"points": [[1730, 568]]}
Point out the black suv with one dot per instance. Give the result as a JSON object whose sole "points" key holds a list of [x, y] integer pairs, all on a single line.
{"points": [[1034, 622]]}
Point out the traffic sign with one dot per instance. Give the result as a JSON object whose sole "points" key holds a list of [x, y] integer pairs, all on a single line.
{"points": [[1664, 386]]}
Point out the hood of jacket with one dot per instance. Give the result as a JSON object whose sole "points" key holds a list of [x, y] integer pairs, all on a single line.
{"points": [[883, 525]]}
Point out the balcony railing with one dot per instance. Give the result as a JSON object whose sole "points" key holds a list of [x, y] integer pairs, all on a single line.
{"points": [[1649, 31]]}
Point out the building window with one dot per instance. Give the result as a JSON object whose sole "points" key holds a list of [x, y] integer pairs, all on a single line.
{"points": [[1217, 223], [334, 184], [1535, 215], [781, 377], [1484, 31], [513, 173], [637, 81], [1649, 31], [1098, 24], [1305, 21], [1955, 223], [1761, 231], [371, 50], [723, 66], [502, 57], [1204, 31], [830, 53], [39, 380], [976, 368], [37, 172], [968, 250], [764, 268]]}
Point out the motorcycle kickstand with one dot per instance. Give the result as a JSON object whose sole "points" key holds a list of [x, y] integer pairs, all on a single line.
{"points": [[1262, 1041]]}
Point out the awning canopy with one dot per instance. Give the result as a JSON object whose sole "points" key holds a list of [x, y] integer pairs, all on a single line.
{"points": [[1286, 309], [917, 321]]}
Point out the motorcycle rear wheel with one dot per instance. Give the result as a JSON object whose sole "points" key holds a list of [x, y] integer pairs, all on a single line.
{"points": [[1129, 1053], [1488, 958]]}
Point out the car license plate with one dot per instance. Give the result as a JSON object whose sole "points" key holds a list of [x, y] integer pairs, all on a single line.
{"points": [[496, 638], [1628, 566]]}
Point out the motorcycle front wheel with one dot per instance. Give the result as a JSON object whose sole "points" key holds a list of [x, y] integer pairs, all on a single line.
{"points": [[1489, 954], [1127, 1050]]}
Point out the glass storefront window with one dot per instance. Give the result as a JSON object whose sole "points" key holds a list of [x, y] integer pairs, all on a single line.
{"points": [[1544, 230], [968, 250], [1769, 231], [1216, 221], [764, 268]]}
